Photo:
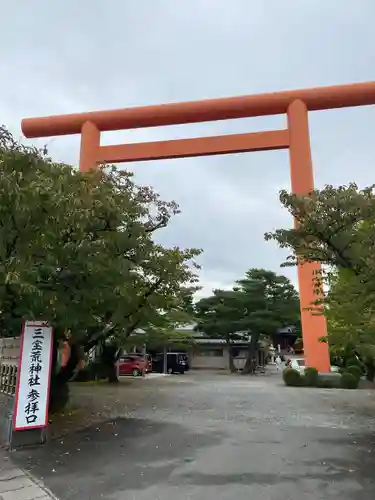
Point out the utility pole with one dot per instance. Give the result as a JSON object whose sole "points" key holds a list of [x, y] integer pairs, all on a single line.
{"points": [[165, 361], [144, 360]]}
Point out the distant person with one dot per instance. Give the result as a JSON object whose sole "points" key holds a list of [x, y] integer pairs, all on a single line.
{"points": [[278, 363]]}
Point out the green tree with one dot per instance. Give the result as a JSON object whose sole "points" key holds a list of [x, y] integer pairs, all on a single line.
{"points": [[221, 316], [336, 228], [259, 304], [350, 315], [271, 303], [77, 250], [163, 336], [278, 296]]}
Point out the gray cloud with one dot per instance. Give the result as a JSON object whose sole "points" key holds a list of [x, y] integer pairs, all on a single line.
{"points": [[62, 57]]}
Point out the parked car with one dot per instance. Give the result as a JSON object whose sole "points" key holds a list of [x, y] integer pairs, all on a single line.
{"points": [[176, 362], [185, 358], [148, 359], [300, 365], [297, 364], [134, 364]]}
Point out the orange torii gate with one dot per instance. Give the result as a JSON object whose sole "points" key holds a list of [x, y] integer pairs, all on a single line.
{"points": [[295, 104]]}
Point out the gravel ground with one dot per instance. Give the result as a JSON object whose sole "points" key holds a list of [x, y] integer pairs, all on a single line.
{"points": [[214, 437]]}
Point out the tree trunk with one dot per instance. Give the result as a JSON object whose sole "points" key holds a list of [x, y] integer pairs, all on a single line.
{"points": [[59, 389], [109, 357], [232, 367], [112, 373], [251, 361]]}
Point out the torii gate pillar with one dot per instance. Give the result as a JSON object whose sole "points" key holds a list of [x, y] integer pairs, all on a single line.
{"points": [[302, 180]]}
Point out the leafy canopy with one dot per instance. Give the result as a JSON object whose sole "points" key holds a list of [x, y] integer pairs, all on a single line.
{"points": [[350, 314], [260, 303], [336, 227], [332, 227], [77, 249]]}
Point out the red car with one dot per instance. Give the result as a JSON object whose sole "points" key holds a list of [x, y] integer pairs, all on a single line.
{"points": [[134, 365]]}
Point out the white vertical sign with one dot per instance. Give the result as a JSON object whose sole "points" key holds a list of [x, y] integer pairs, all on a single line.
{"points": [[34, 372]]}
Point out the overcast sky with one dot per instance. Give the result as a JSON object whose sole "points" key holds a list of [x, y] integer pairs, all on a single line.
{"points": [[65, 57]]}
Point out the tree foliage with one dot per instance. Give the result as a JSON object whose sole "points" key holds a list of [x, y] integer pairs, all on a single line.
{"points": [[272, 301], [260, 302], [258, 305], [350, 313], [335, 227], [331, 228], [77, 250]]}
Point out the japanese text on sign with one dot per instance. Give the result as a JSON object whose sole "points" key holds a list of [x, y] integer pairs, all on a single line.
{"points": [[34, 375]]}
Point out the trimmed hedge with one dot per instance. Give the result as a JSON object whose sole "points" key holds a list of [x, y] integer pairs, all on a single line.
{"points": [[292, 377], [355, 370], [311, 377], [356, 362], [329, 382], [349, 381]]}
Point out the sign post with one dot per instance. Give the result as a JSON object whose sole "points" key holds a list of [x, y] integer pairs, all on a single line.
{"points": [[34, 375]]}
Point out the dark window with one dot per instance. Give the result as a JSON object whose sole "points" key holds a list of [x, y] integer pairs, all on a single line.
{"points": [[211, 353]]}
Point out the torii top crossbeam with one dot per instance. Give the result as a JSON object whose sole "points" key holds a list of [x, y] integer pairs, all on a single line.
{"points": [[338, 96]]}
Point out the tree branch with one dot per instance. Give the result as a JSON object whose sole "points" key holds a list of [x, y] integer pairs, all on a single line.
{"points": [[91, 342], [343, 260], [159, 225]]}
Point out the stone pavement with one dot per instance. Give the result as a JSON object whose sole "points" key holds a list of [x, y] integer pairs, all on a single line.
{"points": [[15, 484], [214, 437]]}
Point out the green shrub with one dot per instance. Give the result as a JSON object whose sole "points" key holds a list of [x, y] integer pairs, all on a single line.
{"points": [[355, 370], [325, 383], [356, 362], [349, 381], [329, 382], [311, 377], [292, 377]]}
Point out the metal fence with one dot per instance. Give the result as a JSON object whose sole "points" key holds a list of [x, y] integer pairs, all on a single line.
{"points": [[9, 360]]}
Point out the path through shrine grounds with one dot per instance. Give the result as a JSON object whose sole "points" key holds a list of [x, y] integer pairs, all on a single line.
{"points": [[212, 437]]}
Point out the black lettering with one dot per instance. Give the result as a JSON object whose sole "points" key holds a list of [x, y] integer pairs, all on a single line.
{"points": [[34, 380], [37, 345], [32, 408], [35, 368], [36, 350], [35, 357], [38, 333], [33, 395], [31, 419]]}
